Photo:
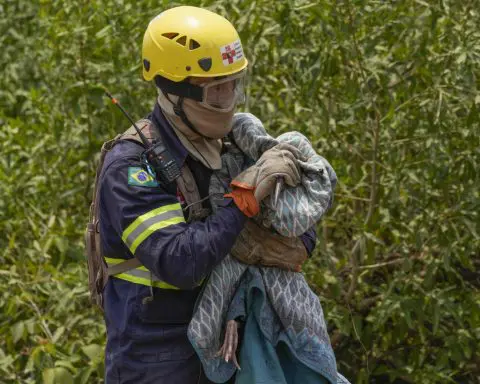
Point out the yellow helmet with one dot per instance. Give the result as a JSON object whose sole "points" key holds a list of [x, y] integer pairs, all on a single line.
{"points": [[189, 41]]}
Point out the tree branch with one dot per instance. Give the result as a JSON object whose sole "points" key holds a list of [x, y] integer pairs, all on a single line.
{"points": [[384, 264], [374, 174]]}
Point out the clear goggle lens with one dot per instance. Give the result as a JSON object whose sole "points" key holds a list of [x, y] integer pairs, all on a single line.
{"points": [[225, 93]]}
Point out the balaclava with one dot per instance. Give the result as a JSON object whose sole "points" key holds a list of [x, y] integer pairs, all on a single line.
{"points": [[212, 125]]}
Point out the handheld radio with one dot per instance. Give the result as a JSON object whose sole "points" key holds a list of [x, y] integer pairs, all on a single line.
{"points": [[156, 154]]}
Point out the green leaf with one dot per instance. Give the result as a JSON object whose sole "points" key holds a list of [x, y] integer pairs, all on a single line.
{"points": [[85, 374], [93, 351], [49, 376], [373, 238], [18, 330], [103, 32], [58, 334], [461, 59], [58, 375]]}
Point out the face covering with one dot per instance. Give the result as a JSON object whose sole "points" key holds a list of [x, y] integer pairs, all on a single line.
{"points": [[213, 125]]}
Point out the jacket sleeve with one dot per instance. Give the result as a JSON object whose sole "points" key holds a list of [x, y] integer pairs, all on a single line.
{"points": [[151, 224], [309, 239]]}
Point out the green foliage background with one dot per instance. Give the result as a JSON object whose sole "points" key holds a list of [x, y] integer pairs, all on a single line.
{"points": [[386, 90]]}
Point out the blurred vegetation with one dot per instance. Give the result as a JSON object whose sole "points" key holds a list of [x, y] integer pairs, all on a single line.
{"points": [[386, 90]]}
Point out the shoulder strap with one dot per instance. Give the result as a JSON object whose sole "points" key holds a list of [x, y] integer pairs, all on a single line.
{"points": [[124, 266], [189, 189], [185, 183], [146, 127]]}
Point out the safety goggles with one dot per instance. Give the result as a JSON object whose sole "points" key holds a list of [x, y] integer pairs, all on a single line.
{"points": [[224, 94], [220, 95]]}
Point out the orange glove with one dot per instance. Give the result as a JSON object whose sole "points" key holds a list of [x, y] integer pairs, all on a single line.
{"points": [[245, 200]]}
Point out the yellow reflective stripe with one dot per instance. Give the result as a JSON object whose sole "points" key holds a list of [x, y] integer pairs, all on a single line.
{"points": [[143, 281], [153, 228], [140, 219], [150, 222]]}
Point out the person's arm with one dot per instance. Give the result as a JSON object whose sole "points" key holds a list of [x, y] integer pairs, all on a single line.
{"points": [[152, 226]]}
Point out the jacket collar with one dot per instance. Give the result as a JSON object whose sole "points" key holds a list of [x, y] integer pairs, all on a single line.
{"points": [[170, 139]]}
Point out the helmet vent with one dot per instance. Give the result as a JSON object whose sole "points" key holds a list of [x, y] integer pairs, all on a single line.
{"points": [[170, 35], [194, 44], [182, 40]]}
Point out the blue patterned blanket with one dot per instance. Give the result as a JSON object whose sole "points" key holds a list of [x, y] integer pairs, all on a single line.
{"points": [[285, 336]]}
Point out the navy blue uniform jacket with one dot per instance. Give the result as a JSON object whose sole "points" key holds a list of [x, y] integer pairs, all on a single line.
{"points": [[147, 326]]}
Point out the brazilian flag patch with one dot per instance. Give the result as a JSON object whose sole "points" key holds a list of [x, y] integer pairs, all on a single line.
{"points": [[141, 178]]}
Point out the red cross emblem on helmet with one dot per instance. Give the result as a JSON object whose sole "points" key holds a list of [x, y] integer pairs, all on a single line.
{"points": [[231, 52]]}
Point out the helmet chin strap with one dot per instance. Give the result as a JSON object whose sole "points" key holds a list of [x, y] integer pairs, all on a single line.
{"points": [[178, 109]]}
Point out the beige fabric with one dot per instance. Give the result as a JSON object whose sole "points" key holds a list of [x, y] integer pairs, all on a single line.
{"points": [[212, 124]]}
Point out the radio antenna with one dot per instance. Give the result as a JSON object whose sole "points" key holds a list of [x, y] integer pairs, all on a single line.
{"points": [[145, 141]]}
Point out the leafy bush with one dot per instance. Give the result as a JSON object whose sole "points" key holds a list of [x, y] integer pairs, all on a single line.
{"points": [[387, 91]]}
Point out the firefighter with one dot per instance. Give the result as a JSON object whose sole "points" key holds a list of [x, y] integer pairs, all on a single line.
{"points": [[196, 60]]}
